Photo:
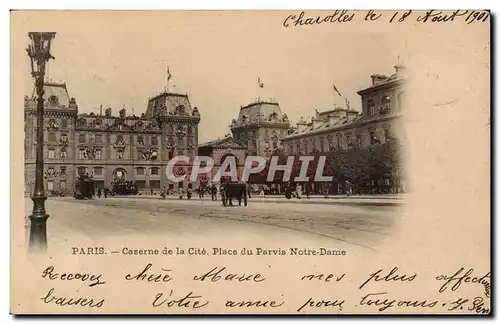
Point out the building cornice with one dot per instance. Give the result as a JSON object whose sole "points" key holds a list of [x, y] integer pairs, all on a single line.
{"points": [[52, 113], [341, 128], [382, 87], [250, 126]]}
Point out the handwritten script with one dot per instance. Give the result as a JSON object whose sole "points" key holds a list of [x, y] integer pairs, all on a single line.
{"points": [[385, 290], [302, 19]]}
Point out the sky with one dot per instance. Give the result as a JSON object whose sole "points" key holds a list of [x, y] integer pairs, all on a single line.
{"points": [[120, 60]]}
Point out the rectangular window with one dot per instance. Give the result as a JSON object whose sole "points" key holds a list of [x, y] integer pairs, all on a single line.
{"points": [[98, 171], [81, 138], [50, 185], [98, 154], [52, 137], [52, 153], [190, 130], [98, 139], [154, 140], [82, 154], [154, 184], [154, 171], [64, 123], [140, 140], [119, 155], [63, 170], [359, 140], [140, 171], [180, 141], [62, 185], [154, 155], [141, 184]]}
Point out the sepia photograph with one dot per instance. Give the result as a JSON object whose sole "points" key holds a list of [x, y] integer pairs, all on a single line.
{"points": [[226, 150]]}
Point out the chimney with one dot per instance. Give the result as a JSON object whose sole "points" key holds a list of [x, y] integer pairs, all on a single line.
{"points": [[400, 69], [123, 113], [316, 123], [378, 79], [107, 112], [301, 125]]}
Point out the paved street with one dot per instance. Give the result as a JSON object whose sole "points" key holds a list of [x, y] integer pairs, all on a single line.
{"points": [[138, 219]]}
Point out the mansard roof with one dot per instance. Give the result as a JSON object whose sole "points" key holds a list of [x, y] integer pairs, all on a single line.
{"points": [[169, 104]]}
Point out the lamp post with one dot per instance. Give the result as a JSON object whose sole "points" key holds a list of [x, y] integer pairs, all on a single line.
{"points": [[39, 53]]}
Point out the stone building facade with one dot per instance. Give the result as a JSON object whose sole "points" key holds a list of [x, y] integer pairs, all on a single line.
{"points": [[260, 126], [109, 147], [341, 128], [219, 150]]}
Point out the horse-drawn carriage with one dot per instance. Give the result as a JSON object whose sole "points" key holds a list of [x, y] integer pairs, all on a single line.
{"points": [[84, 187], [234, 190]]}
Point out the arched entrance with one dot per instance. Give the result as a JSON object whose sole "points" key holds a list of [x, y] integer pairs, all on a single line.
{"points": [[226, 173], [119, 175]]}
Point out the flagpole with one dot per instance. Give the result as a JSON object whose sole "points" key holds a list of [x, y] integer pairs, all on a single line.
{"points": [[334, 97]]}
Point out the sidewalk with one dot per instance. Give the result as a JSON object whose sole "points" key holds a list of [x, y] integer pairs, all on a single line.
{"points": [[372, 200]]}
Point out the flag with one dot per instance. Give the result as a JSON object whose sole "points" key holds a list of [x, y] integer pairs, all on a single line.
{"points": [[336, 90], [169, 76], [260, 83]]}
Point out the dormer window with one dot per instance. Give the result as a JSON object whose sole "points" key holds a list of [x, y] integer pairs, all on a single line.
{"points": [[53, 100], [180, 110]]}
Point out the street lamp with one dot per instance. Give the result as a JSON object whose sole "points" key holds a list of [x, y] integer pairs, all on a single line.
{"points": [[39, 53]]}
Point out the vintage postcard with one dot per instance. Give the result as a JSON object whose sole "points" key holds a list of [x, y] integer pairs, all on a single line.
{"points": [[250, 162]]}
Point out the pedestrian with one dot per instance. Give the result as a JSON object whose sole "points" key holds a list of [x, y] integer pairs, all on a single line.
{"points": [[181, 193], [347, 188], [299, 191], [261, 191], [151, 191], [214, 192], [189, 193], [99, 193], [105, 192], [325, 191]]}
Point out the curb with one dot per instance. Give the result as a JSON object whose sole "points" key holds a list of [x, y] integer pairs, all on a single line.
{"points": [[360, 203]]}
